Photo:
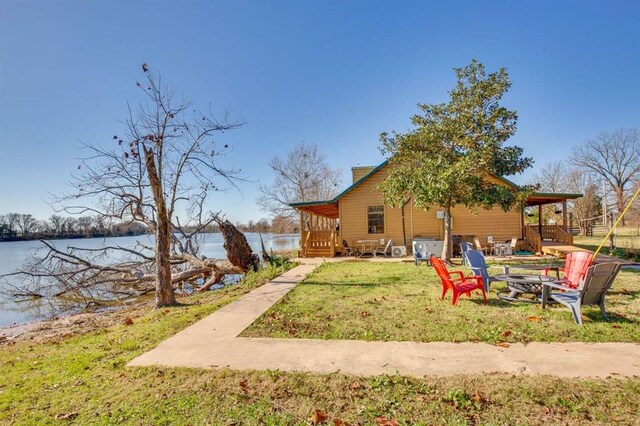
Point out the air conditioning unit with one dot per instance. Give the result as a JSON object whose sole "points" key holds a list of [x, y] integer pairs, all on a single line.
{"points": [[398, 251], [427, 247]]}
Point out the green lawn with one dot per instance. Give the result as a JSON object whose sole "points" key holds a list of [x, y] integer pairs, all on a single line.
{"points": [[627, 245], [398, 301], [83, 380]]}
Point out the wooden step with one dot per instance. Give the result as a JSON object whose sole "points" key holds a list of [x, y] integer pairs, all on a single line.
{"points": [[317, 252]]}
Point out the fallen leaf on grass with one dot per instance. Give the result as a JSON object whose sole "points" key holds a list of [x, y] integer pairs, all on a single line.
{"points": [[506, 333], [534, 318], [476, 397], [318, 417], [243, 385], [356, 386], [128, 321], [616, 326], [340, 422], [503, 344], [364, 314], [383, 421], [66, 416]]}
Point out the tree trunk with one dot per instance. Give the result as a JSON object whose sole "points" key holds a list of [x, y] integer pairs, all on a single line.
{"points": [[164, 286], [446, 248], [404, 231], [620, 203], [265, 254]]}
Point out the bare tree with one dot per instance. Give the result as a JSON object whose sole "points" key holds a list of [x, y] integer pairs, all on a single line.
{"points": [[12, 221], [26, 222], [57, 222], [558, 177], [553, 177], [158, 174], [589, 206], [614, 157], [303, 175], [282, 225]]}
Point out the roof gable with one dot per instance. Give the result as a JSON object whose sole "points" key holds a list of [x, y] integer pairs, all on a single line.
{"points": [[375, 170]]}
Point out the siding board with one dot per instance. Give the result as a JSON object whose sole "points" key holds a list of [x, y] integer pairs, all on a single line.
{"points": [[481, 223]]}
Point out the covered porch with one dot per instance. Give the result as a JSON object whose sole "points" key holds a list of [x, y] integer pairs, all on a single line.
{"points": [[543, 237], [319, 229]]}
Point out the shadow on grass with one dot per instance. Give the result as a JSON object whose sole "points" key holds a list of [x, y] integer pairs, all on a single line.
{"points": [[319, 284], [360, 284], [495, 302], [594, 315]]}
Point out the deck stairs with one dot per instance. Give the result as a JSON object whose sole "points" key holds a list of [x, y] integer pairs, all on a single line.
{"points": [[319, 243]]}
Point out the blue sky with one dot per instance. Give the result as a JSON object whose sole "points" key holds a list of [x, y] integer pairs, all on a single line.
{"points": [[334, 73]]}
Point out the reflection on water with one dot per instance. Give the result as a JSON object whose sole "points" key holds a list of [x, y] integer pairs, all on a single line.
{"points": [[14, 254]]}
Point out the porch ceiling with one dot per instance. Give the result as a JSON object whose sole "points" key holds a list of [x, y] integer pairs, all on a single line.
{"points": [[325, 210], [540, 198]]}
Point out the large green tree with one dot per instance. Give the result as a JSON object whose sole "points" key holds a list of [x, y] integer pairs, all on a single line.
{"points": [[445, 159]]}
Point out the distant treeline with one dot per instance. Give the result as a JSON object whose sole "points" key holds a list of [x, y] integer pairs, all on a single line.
{"points": [[19, 227], [277, 225]]}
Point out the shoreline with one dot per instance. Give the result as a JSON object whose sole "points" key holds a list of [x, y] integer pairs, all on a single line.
{"points": [[69, 325]]}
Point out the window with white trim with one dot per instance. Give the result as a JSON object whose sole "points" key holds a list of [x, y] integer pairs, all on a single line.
{"points": [[375, 219]]}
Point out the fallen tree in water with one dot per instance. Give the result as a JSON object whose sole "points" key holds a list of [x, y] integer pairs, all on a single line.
{"points": [[85, 275]]}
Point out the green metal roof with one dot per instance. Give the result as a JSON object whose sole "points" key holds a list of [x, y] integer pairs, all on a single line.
{"points": [[374, 170], [557, 194]]}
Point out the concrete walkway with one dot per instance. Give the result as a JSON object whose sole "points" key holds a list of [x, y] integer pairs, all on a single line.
{"points": [[213, 343]]}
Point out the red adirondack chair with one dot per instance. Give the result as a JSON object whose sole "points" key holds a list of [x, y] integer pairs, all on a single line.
{"points": [[575, 268], [461, 285]]}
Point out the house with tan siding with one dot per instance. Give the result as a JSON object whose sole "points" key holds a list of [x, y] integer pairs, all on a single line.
{"points": [[359, 217]]}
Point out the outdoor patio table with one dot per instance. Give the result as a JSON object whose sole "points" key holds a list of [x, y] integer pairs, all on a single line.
{"points": [[367, 247], [523, 284]]}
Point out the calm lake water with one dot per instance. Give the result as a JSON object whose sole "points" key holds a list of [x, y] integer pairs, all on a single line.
{"points": [[14, 254]]}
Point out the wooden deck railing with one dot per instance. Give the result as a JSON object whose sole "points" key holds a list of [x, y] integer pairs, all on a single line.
{"points": [[319, 243], [549, 232], [533, 238], [562, 236]]}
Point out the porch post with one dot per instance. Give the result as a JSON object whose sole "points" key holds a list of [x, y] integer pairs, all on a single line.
{"points": [[571, 227], [564, 215], [540, 220], [302, 242]]}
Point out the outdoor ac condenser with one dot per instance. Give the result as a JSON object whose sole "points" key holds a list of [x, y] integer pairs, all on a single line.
{"points": [[426, 247], [398, 251]]}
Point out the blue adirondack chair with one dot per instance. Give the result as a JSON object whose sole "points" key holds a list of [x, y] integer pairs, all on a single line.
{"points": [[591, 291], [464, 248], [479, 267]]}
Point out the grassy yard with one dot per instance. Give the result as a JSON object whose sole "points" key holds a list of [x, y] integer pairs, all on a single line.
{"points": [[627, 245], [398, 301], [83, 380]]}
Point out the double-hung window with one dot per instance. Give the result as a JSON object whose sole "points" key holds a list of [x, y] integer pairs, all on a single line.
{"points": [[375, 219]]}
